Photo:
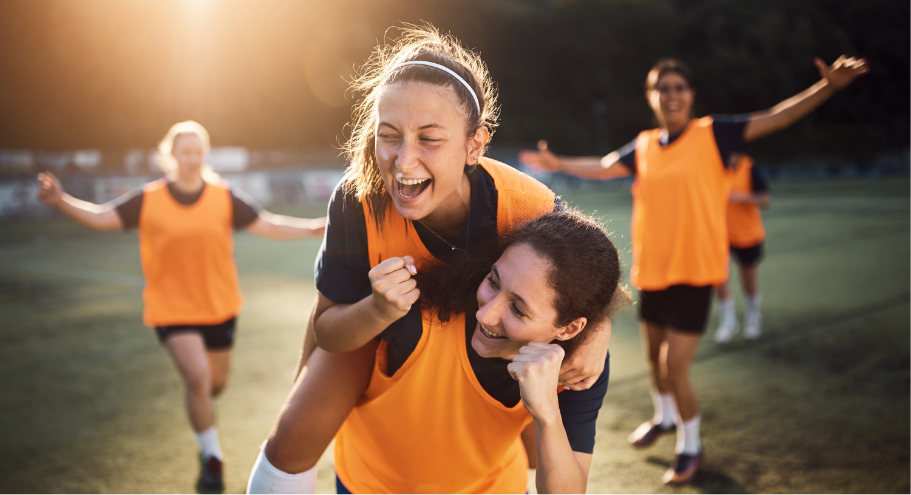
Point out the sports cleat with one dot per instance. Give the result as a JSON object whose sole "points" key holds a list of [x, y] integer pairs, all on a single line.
{"points": [[210, 476], [752, 326], [647, 433], [727, 329], [683, 469]]}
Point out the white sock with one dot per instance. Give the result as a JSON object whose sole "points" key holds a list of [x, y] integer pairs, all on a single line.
{"points": [[665, 409], [208, 443], [266, 478], [754, 301], [726, 308], [688, 437]]}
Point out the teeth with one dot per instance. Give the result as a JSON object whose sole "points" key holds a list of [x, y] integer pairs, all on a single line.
{"points": [[491, 335], [411, 182]]}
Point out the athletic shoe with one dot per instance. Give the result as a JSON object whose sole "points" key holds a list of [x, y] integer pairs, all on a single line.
{"points": [[647, 433], [728, 328], [210, 478], [752, 325], [684, 468]]}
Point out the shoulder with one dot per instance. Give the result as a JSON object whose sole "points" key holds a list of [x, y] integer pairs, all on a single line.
{"points": [[508, 178], [344, 203], [155, 185]]}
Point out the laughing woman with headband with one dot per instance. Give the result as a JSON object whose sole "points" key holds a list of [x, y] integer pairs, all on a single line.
{"points": [[679, 235], [417, 191]]}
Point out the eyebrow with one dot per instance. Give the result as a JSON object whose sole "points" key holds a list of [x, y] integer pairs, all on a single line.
{"points": [[428, 126], [513, 294]]}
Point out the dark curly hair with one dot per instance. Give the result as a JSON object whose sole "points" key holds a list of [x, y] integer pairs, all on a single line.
{"points": [[584, 271]]}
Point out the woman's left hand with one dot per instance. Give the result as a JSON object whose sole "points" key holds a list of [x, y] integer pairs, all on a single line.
{"points": [[537, 369], [843, 72]]}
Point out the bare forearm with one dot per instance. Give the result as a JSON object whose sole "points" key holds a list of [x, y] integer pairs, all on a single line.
{"points": [[285, 228], [89, 215], [593, 167], [788, 112], [760, 200], [346, 327], [558, 469]]}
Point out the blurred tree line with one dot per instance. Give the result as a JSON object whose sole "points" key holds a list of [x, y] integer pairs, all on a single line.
{"points": [[111, 74]]}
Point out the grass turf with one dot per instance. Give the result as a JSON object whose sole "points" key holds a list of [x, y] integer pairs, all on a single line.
{"points": [[89, 402]]}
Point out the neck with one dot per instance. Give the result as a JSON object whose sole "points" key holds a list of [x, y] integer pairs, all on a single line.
{"points": [[188, 184], [449, 218], [675, 127]]}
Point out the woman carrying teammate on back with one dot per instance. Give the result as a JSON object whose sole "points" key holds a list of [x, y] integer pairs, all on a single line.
{"points": [[749, 193], [192, 297], [417, 191], [679, 235]]}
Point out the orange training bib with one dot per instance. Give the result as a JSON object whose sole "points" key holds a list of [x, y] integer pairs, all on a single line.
{"points": [[187, 257], [745, 227], [680, 198]]}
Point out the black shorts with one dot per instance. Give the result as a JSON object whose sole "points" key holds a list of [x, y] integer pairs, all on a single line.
{"points": [[220, 336], [683, 307], [748, 256]]}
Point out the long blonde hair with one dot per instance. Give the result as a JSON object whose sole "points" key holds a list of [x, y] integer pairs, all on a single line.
{"points": [[362, 176], [165, 156]]}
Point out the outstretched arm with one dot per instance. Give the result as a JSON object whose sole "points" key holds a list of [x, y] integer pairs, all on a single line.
{"points": [[96, 217], [559, 468], [285, 228], [587, 167], [762, 200], [834, 78]]}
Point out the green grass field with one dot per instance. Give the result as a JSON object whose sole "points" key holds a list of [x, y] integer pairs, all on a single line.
{"points": [[91, 403]]}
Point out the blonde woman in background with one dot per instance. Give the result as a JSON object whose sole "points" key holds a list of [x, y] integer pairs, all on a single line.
{"points": [[192, 297]]}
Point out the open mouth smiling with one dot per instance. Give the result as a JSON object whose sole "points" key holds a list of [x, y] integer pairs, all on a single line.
{"points": [[411, 188]]}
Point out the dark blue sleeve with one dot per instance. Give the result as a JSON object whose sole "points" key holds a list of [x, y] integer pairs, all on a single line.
{"points": [[628, 155], [580, 412], [128, 208], [244, 209], [343, 262], [757, 181], [728, 131]]}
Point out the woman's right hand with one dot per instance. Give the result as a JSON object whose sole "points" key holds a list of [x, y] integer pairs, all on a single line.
{"points": [[541, 160], [50, 191], [394, 288]]}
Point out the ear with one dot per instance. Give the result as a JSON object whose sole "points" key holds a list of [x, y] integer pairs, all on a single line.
{"points": [[573, 329], [476, 144]]}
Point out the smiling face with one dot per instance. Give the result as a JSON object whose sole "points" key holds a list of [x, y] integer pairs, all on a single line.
{"points": [[422, 147], [672, 100], [516, 306], [190, 153]]}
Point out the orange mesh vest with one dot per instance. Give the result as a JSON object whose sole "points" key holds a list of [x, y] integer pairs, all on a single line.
{"points": [[744, 220], [431, 427], [187, 257], [680, 198]]}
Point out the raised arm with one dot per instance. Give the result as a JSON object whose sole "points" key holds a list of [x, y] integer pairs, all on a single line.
{"points": [[559, 468], [96, 217], [285, 228], [588, 167], [346, 327], [834, 78]]}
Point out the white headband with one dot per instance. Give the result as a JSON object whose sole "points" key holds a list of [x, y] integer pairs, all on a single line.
{"points": [[438, 66]]}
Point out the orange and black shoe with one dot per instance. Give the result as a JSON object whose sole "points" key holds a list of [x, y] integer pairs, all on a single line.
{"points": [[647, 433], [684, 468], [210, 476]]}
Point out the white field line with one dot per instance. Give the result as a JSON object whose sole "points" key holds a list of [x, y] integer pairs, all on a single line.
{"points": [[80, 273]]}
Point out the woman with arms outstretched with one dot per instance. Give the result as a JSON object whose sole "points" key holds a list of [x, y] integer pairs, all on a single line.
{"points": [[679, 235], [192, 297]]}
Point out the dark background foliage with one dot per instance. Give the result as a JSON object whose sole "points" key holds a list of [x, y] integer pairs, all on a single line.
{"points": [[117, 74]]}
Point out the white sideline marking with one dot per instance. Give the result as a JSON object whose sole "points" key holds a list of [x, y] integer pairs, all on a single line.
{"points": [[81, 273]]}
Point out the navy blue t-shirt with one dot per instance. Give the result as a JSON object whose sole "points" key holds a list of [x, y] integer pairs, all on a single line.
{"points": [[728, 130], [758, 183], [341, 269]]}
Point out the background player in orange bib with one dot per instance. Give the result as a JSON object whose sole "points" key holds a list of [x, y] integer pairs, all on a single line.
{"points": [[417, 185], [493, 332], [679, 227], [192, 297], [749, 193]]}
